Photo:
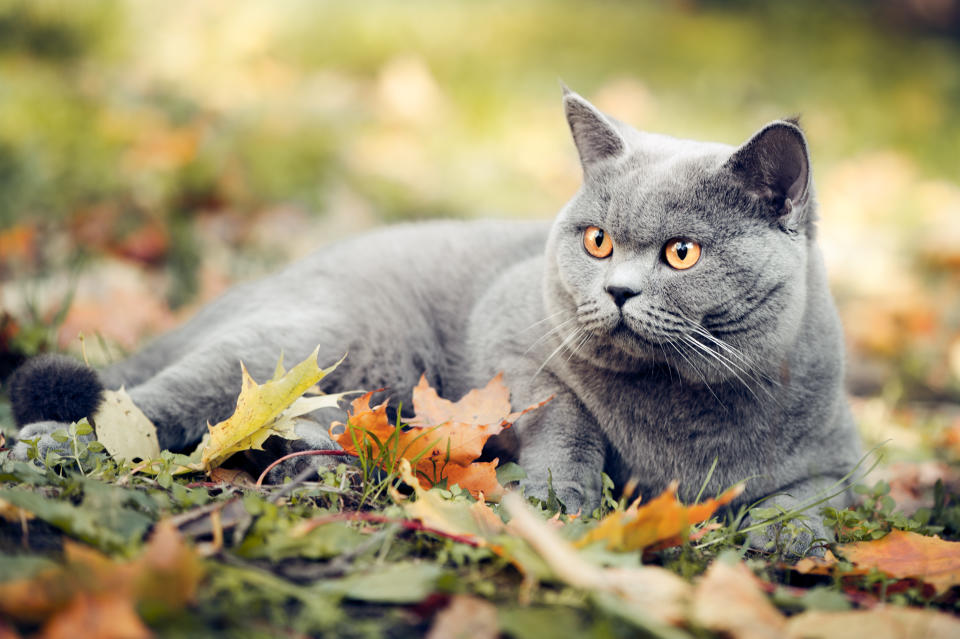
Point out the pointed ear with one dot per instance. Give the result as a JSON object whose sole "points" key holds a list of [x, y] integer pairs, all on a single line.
{"points": [[775, 165], [595, 136]]}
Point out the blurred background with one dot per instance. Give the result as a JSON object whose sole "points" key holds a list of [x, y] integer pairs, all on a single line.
{"points": [[153, 153]]}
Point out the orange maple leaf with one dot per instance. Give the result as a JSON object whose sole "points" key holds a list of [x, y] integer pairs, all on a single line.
{"points": [[442, 440], [662, 521], [908, 555]]}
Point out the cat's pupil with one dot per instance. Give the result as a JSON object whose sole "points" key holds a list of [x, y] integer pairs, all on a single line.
{"points": [[681, 249], [598, 238]]}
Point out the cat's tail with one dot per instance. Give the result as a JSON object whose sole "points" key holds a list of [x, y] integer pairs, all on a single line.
{"points": [[54, 388]]}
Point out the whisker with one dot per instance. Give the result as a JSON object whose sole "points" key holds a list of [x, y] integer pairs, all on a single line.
{"points": [[545, 319], [555, 329], [568, 339], [707, 351], [697, 371]]}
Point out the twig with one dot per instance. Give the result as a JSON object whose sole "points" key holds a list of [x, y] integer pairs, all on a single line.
{"points": [[300, 453], [409, 524]]}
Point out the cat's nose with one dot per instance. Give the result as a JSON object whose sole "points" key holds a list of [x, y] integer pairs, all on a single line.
{"points": [[621, 294]]}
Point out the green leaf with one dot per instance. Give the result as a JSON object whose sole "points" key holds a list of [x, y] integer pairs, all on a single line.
{"points": [[110, 527], [401, 583], [509, 473]]}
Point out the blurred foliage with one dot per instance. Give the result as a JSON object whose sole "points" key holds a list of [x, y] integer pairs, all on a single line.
{"points": [[173, 148]]}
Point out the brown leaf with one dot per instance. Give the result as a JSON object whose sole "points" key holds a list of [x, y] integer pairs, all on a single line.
{"points": [[879, 623], [729, 600], [466, 618], [661, 521], [444, 437], [97, 616], [651, 592], [906, 555], [165, 574]]}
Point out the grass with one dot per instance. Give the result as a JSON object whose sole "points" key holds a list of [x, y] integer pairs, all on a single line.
{"points": [[335, 554]]}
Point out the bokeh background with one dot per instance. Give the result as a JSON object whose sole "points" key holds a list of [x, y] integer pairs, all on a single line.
{"points": [[151, 153]]}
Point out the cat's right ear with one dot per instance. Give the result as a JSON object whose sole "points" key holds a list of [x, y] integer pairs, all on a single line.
{"points": [[596, 137]]}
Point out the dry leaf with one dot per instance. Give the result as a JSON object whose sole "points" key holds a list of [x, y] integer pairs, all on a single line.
{"points": [[167, 574], [661, 521], [728, 600], [123, 429], [880, 623], [650, 592], [475, 522], [906, 555], [14, 513], [267, 409], [466, 618], [97, 616], [817, 565], [446, 436]]}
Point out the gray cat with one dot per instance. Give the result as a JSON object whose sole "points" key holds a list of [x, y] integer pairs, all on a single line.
{"points": [[677, 309]]}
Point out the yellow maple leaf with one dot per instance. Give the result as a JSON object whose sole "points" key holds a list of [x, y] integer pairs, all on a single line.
{"points": [[661, 521], [267, 409]]}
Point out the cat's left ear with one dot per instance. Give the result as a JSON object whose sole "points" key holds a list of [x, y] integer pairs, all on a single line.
{"points": [[775, 165], [596, 137]]}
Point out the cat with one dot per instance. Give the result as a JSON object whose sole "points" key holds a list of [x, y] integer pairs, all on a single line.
{"points": [[677, 309]]}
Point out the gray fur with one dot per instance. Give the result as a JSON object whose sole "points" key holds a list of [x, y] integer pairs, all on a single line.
{"points": [[737, 359]]}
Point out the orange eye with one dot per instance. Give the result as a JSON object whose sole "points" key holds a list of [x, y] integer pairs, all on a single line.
{"points": [[681, 254], [597, 242]]}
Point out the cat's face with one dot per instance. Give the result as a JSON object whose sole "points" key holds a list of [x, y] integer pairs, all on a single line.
{"points": [[681, 253]]}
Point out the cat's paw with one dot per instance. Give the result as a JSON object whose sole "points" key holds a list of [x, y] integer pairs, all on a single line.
{"points": [[313, 436], [569, 493], [42, 433], [795, 539]]}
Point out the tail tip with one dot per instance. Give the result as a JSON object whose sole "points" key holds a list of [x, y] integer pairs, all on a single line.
{"points": [[54, 388]]}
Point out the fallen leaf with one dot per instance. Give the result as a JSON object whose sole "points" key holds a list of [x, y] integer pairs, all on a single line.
{"points": [[661, 521], [443, 438], [233, 476], [888, 622], [97, 616], [475, 522], [649, 595], [90, 587], [123, 429], [267, 409], [728, 600], [906, 555], [466, 618], [14, 513], [817, 565]]}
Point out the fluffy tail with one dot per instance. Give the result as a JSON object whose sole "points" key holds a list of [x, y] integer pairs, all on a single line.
{"points": [[54, 388]]}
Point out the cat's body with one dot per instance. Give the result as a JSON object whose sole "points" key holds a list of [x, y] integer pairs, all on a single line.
{"points": [[659, 367]]}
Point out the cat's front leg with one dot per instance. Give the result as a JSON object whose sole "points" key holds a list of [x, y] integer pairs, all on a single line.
{"points": [[561, 449]]}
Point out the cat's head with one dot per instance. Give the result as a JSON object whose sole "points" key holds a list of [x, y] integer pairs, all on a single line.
{"points": [[685, 253]]}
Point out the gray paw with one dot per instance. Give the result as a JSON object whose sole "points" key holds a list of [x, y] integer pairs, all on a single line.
{"points": [[571, 494], [794, 539], [43, 431], [313, 436]]}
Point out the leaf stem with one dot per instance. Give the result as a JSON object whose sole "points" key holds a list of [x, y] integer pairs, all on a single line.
{"points": [[300, 453]]}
